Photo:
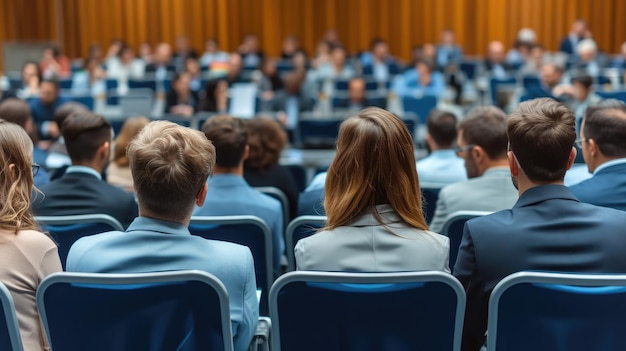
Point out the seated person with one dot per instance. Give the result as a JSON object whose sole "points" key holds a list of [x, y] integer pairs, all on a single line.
{"points": [[442, 166], [357, 98], [550, 78], [81, 189], [181, 100], [547, 229], [230, 195], [373, 203], [422, 80], [43, 108], [158, 240], [161, 66], [378, 63]]}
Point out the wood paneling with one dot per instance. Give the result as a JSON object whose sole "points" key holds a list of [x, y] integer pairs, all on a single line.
{"points": [[404, 23]]}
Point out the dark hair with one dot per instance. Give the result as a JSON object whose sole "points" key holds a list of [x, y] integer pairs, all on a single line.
{"points": [[229, 136], [34, 63], [61, 113], [485, 126], [84, 133], [210, 100], [428, 63], [266, 139], [375, 42], [585, 80], [605, 123], [15, 111], [50, 81], [442, 127], [541, 135]]}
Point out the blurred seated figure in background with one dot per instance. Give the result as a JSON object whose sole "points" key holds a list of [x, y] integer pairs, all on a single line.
{"points": [[267, 139], [251, 54], [43, 109], [90, 80], [54, 65], [216, 97], [588, 60], [182, 52], [125, 66], [550, 77], [520, 53], [322, 54], [578, 32], [271, 81], [442, 166], [449, 53], [212, 53], [495, 61], [28, 255], [422, 80], [58, 157], [378, 63], [193, 69], [31, 77], [181, 100], [291, 46], [336, 69], [118, 171], [533, 63], [357, 98], [620, 60], [373, 203], [161, 66]]}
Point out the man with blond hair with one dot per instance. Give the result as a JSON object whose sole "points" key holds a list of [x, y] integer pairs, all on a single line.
{"points": [[170, 165]]}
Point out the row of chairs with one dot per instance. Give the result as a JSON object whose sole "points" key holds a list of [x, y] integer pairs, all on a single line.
{"points": [[189, 310]]}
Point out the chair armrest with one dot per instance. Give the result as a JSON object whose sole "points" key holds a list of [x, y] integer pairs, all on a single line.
{"points": [[262, 335]]}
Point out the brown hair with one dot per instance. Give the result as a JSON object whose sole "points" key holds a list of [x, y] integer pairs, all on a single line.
{"points": [[541, 135], [130, 129], [16, 178], [485, 126], [374, 164], [605, 123], [61, 113], [442, 127], [15, 111], [230, 138], [85, 132], [266, 139], [170, 165]]}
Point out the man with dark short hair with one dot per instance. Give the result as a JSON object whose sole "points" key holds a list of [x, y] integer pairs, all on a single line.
{"points": [[548, 229], [603, 144], [81, 189], [170, 164], [442, 167], [482, 145], [43, 108], [230, 194]]}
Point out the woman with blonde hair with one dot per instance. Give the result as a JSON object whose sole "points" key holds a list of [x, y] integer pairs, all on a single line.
{"points": [[118, 171], [373, 204], [26, 255]]}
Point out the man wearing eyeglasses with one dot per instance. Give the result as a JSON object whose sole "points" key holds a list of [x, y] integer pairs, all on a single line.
{"points": [[603, 144], [548, 229], [482, 145]]}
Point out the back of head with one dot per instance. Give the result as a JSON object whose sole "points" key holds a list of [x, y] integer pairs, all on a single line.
{"points": [[442, 128], [485, 126], [130, 129], [585, 80], [605, 123], [170, 165], [230, 138], [16, 182], [15, 111], [61, 113], [541, 135], [266, 139], [374, 164], [84, 134]]}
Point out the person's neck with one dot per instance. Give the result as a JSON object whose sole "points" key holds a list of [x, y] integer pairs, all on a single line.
{"points": [[229, 170], [433, 146], [148, 214], [489, 164], [600, 159], [524, 184]]}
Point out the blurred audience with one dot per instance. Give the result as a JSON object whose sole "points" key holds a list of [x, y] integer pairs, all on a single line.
{"points": [[118, 171]]}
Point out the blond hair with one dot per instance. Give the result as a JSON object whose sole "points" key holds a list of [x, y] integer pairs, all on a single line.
{"points": [[375, 164], [16, 178], [130, 129], [170, 165]]}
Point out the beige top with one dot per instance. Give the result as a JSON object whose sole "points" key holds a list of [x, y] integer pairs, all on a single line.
{"points": [[120, 176], [25, 259]]}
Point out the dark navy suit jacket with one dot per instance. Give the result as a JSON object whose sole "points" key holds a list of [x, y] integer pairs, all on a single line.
{"points": [[548, 229], [606, 188]]}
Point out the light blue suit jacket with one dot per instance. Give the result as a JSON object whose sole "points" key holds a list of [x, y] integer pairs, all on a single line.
{"points": [[230, 195], [408, 84], [440, 168], [151, 245]]}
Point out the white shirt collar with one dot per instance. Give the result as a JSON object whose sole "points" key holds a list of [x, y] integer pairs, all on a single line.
{"points": [[608, 164], [84, 169]]}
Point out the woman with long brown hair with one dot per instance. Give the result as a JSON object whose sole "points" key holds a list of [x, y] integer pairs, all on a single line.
{"points": [[26, 254], [373, 204]]}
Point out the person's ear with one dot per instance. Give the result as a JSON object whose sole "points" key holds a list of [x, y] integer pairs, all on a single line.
{"points": [[572, 158], [104, 150], [246, 152], [201, 197], [593, 147], [513, 164], [479, 154]]}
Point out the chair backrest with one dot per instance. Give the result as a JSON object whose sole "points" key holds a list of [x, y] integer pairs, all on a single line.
{"points": [[10, 338], [498, 85], [558, 311], [300, 228], [318, 133], [137, 101], [86, 100], [299, 174], [279, 195], [453, 229], [250, 231], [429, 202], [619, 95], [65, 230], [420, 106], [367, 311], [179, 310]]}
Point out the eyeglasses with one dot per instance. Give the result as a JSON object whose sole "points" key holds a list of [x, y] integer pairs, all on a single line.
{"points": [[579, 142], [458, 150], [35, 169]]}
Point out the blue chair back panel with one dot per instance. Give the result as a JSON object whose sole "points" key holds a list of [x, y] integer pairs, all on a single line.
{"points": [[496, 84], [420, 106], [85, 100], [298, 172], [66, 235], [142, 84], [469, 69], [619, 95], [112, 84], [5, 336], [10, 338], [401, 316], [161, 316], [65, 84], [248, 235], [319, 133], [429, 197], [556, 317], [455, 234]]}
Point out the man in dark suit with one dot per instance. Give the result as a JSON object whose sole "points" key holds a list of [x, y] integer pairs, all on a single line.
{"points": [[548, 229], [603, 144], [357, 98], [578, 33], [43, 108], [81, 189], [549, 78], [162, 67]]}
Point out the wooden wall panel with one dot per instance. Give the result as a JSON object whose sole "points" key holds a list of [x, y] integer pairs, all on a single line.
{"points": [[404, 23]]}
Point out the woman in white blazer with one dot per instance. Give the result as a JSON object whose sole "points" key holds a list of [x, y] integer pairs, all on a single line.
{"points": [[373, 204]]}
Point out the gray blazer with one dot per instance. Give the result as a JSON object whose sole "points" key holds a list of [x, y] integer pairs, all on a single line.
{"points": [[367, 246], [493, 191]]}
